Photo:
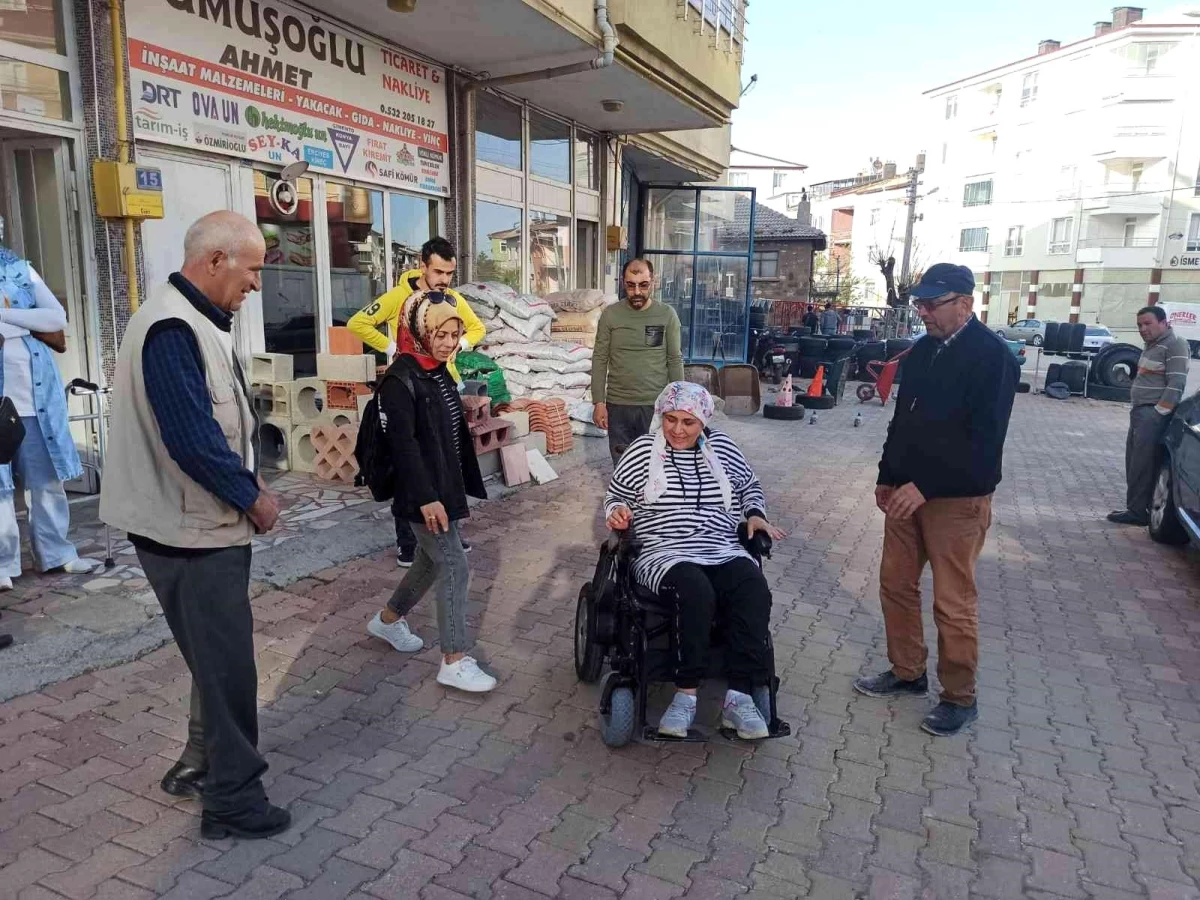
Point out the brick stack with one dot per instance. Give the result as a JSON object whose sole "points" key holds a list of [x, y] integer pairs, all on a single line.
{"points": [[548, 417], [333, 446], [488, 433]]}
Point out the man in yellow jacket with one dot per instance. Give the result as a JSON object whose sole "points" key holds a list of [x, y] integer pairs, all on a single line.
{"points": [[435, 274]]}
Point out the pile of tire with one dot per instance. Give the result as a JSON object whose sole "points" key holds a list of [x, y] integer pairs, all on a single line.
{"points": [[812, 355], [872, 351], [1113, 371]]}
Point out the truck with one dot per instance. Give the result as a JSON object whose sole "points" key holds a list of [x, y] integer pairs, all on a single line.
{"points": [[1185, 319]]}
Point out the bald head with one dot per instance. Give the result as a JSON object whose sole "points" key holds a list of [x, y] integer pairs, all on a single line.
{"points": [[223, 256]]}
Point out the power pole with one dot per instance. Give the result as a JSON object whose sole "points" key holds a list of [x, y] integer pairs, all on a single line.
{"points": [[913, 174]]}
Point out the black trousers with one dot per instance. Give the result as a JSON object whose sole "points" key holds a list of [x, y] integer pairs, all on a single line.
{"points": [[1143, 453], [736, 593], [625, 424], [206, 600]]}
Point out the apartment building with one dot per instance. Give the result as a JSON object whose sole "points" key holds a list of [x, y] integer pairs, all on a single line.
{"points": [[1068, 180], [520, 129], [778, 184]]}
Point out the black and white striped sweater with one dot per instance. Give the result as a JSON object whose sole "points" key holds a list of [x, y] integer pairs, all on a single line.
{"points": [[688, 523]]}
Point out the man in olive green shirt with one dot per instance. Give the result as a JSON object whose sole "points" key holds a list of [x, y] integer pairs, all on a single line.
{"points": [[637, 355]]}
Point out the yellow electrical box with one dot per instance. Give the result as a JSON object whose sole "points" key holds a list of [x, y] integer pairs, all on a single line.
{"points": [[616, 238], [127, 190]]}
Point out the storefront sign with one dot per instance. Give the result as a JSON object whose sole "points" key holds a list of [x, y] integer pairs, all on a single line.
{"points": [[268, 81]]}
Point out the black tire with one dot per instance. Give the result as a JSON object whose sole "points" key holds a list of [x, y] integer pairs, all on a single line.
{"points": [[616, 726], [1037, 340], [1022, 387], [1074, 376], [784, 413], [896, 346], [589, 655], [1165, 527], [813, 347], [837, 347], [1002, 334], [816, 402], [1105, 392], [1050, 340], [1117, 365], [1075, 336], [1053, 373], [865, 393], [876, 351]]}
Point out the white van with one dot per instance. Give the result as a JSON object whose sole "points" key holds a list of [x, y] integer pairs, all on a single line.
{"points": [[1185, 319]]}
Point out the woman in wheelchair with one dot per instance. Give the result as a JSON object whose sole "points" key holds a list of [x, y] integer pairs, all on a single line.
{"points": [[687, 488]]}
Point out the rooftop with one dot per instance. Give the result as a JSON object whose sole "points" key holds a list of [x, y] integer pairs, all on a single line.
{"points": [[770, 225]]}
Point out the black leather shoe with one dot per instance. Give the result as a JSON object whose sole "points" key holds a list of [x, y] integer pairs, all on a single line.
{"points": [[264, 822], [888, 685], [183, 781], [949, 718], [1125, 517]]}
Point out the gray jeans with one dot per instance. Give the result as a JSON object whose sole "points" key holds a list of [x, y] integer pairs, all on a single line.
{"points": [[1143, 452], [439, 560], [625, 424]]}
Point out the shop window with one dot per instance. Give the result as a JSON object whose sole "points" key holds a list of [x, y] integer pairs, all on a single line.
{"points": [[289, 278], [357, 256], [587, 161], [499, 244], [497, 131], [34, 90], [414, 221], [549, 148], [549, 252], [587, 264], [671, 219], [34, 23]]}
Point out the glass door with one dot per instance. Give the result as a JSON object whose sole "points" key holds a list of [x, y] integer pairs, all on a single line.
{"points": [[700, 241]]}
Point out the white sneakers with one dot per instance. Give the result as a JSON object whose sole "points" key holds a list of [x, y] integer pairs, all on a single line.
{"points": [[396, 633], [5, 583], [466, 676], [81, 566]]}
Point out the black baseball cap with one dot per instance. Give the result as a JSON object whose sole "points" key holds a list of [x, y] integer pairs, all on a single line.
{"points": [[942, 279]]}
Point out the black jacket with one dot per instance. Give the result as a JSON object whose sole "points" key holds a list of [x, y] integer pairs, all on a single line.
{"points": [[947, 435], [418, 428]]}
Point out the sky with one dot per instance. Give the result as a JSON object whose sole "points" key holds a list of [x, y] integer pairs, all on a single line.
{"points": [[840, 83]]}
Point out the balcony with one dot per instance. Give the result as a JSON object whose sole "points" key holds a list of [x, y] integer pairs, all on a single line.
{"points": [[1135, 143], [1142, 202], [1118, 253]]}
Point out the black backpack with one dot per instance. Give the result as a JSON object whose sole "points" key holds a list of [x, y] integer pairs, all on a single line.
{"points": [[376, 468]]}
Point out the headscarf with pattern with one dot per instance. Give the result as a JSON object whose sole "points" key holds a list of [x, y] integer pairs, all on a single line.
{"points": [[683, 396], [425, 312]]}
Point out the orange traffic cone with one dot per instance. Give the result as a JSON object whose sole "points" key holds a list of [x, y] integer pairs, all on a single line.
{"points": [[817, 387]]}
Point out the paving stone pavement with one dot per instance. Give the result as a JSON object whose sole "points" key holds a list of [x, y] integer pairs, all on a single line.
{"points": [[1081, 778]]}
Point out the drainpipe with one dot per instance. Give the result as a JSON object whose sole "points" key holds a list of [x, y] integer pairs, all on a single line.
{"points": [[123, 154], [603, 61]]}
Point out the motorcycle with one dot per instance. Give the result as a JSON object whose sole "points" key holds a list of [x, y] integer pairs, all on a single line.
{"points": [[770, 356]]}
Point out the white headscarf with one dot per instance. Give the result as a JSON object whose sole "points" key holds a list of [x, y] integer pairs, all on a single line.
{"points": [[683, 396]]}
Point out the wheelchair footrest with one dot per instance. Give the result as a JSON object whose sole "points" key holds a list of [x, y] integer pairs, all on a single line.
{"points": [[776, 729], [650, 733]]}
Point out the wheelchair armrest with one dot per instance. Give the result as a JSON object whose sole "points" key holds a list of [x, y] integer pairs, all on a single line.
{"points": [[758, 546]]}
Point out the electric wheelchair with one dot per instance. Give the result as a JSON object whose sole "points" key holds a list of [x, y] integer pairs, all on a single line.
{"points": [[619, 621]]}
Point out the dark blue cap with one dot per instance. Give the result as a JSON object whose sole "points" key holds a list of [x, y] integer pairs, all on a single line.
{"points": [[942, 279]]}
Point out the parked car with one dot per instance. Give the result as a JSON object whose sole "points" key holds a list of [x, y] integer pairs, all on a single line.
{"points": [[1097, 337], [1018, 349], [1030, 331], [1175, 508]]}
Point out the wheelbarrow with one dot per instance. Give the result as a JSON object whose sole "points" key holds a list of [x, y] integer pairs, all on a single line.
{"points": [[885, 376]]}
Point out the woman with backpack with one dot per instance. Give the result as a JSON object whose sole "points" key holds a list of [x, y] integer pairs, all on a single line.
{"points": [[422, 419]]}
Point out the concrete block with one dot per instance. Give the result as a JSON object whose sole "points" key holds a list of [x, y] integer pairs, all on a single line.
{"points": [[535, 440], [303, 455], [520, 420], [332, 416], [489, 463], [344, 394], [491, 435], [514, 461], [271, 368], [272, 400], [308, 400], [363, 400], [274, 438], [336, 367], [334, 445], [477, 409], [343, 342]]}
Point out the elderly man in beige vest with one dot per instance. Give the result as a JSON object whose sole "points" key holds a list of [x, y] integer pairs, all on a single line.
{"points": [[181, 479]]}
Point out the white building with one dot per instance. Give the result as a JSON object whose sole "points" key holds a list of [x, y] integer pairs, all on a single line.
{"points": [[1068, 180], [777, 182]]}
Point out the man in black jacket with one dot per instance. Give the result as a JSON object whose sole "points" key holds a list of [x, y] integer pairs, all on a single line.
{"points": [[940, 465]]}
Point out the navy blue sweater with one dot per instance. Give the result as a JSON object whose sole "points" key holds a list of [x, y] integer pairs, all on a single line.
{"points": [[947, 435]]}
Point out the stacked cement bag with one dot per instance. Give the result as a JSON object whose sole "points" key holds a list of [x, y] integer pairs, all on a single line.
{"points": [[519, 340], [578, 314]]}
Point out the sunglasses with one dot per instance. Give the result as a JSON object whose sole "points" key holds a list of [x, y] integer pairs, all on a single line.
{"points": [[937, 302], [441, 297]]}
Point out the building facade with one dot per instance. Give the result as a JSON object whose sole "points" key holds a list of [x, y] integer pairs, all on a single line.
{"points": [[516, 128], [1068, 181]]}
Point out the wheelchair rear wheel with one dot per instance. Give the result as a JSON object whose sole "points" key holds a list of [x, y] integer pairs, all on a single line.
{"points": [[616, 725], [589, 655]]}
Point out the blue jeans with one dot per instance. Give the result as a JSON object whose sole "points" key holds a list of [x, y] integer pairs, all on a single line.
{"points": [[49, 512], [439, 561]]}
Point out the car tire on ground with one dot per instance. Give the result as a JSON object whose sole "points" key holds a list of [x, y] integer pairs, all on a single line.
{"points": [[616, 726], [816, 402], [1106, 392], [1022, 387], [783, 413], [1116, 365], [1053, 373], [1165, 527], [1074, 376]]}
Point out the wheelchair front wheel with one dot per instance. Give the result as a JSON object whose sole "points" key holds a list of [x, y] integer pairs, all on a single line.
{"points": [[616, 726], [589, 655]]}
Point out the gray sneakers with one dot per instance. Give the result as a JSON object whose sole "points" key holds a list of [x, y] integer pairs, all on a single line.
{"points": [[739, 713], [679, 716]]}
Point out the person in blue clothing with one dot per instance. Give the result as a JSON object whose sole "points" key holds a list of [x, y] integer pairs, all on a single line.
{"points": [[47, 456], [941, 463]]}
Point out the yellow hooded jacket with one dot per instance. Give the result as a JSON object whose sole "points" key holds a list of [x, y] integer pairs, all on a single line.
{"points": [[387, 310]]}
